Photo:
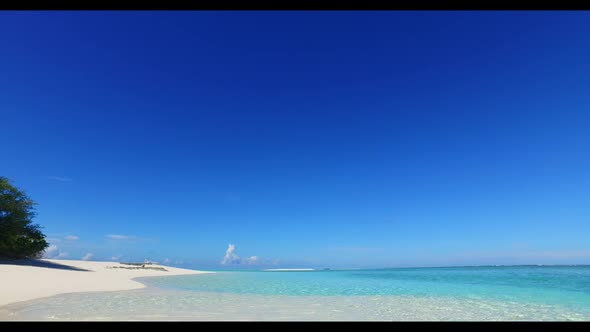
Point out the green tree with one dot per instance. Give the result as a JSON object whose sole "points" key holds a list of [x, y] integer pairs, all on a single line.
{"points": [[19, 236]]}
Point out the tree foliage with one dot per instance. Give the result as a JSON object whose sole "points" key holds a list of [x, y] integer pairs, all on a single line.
{"points": [[19, 236]]}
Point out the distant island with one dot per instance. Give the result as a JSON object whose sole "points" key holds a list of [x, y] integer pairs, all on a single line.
{"points": [[285, 270]]}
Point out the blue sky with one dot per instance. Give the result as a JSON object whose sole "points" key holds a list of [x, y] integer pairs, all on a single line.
{"points": [[305, 139]]}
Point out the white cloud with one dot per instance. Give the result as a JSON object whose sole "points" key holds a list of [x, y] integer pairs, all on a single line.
{"points": [[116, 258], [252, 260], [120, 237], [166, 261], [87, 257], [53, 252], [59, 178], [230, 256], [72, 238]]}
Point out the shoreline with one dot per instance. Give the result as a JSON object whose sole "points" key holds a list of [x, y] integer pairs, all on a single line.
{"points": [[146, 303], [28, 280]]}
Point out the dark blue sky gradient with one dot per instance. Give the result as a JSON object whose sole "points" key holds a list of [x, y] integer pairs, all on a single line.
{"points": [[351, 139]]}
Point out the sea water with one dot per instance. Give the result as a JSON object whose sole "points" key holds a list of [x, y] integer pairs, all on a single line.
{"points": [[527, 293]]}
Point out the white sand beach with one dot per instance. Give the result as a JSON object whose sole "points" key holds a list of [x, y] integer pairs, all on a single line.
{"points": [[28, 280]]}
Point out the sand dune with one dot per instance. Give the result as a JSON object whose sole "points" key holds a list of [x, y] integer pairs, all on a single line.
{"points": [[27, 280]]}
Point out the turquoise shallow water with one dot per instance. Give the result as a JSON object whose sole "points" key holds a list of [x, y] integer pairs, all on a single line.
{"points": [[529, 293], [560, 285]]}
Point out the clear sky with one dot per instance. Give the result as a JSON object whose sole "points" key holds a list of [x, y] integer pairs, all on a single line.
{"points": [[305, 139]]}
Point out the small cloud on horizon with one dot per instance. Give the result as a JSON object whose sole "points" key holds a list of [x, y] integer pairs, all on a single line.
{"points": [[72, 238], [230, 256], [116, 258], [88, 256], [120, 237], [59, 178], [252, 260], [52, 252]]}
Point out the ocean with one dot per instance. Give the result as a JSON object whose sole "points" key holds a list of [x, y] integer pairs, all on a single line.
{"points": [[503, 293]]}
